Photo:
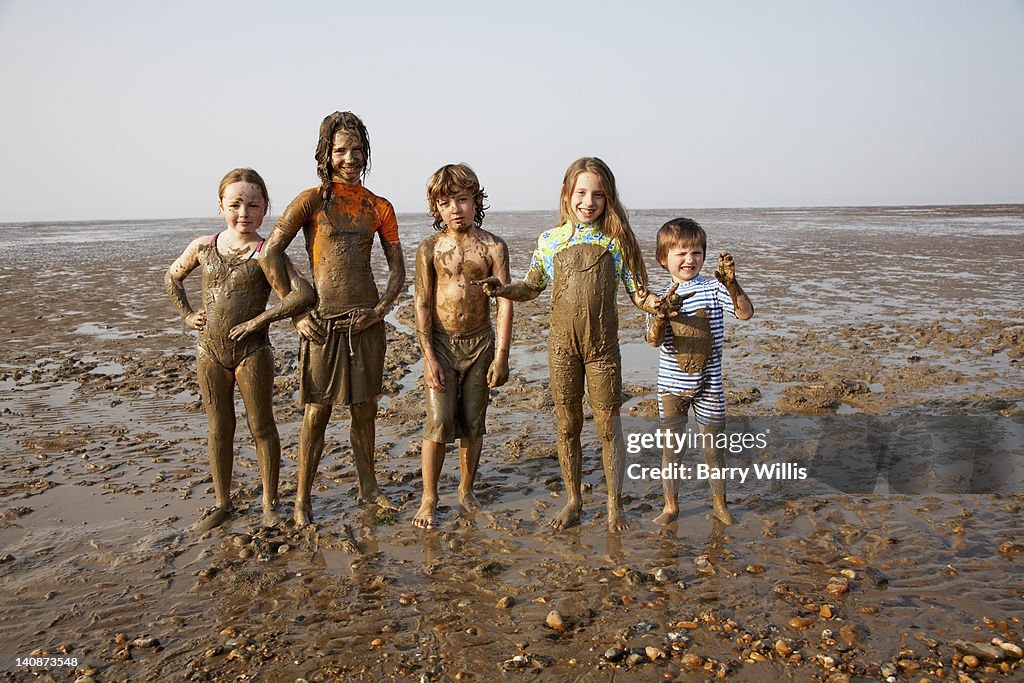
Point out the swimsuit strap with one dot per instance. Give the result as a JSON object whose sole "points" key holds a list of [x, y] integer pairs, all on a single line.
{"points": [[257, 250], [213, 242]]}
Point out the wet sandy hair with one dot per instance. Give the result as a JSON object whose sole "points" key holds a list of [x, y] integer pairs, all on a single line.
{"points": [[332, 123], [679, 232], [447, 181], [613, 221], [243, 175]]}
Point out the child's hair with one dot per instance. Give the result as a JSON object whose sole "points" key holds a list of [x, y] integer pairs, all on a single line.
{"points": [[680, 232], [332, 123], [446, 182], [243, 175], [613, 221]]}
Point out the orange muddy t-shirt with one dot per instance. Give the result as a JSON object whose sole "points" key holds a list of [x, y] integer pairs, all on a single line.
{"points": [[339, 239]]}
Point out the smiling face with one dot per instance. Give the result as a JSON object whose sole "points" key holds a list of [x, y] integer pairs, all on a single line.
{"points": [[457, 211], [348, 159], [588, 198], [684, 261], [243, 207]]}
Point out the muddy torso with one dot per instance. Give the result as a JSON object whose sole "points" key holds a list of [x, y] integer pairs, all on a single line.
{"points": [[692, 341], [234, 290], [584, 320], [459, 307], [339, 242]]}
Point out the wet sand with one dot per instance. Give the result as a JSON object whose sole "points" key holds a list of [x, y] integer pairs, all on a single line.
{"points": [[871, 567]]}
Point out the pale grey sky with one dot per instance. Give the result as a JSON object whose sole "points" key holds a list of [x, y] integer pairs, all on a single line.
{"points": [[116, 109]]}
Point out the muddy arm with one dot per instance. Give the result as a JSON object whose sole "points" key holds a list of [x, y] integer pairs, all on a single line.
{"points": [[655, 334], [726, 274], [497, 374], [174, 284], [396, 276], [299, 298], [426, 278]]}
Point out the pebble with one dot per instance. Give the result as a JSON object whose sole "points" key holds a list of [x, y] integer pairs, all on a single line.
{"points": [[801, 622], [848, 634], [826, 612], [653, 653], [1012, 649], [663, 575], [376, 642], [555, 621], [614, 654], [121, 638], [849, 573], [783, 648], [635, 659], [146, 641], [6, 557], [505, 602], [283, 548], [678, 637], [838, 585], [691, 661], [755, 569], [877, 577], [971, 661], [983, 651]]}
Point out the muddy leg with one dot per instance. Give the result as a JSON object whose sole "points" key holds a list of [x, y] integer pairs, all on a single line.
{"points": [[570, 460], [311, 448], [613, 455], [432, 460], [363, 435], [469, 459], [217, 386], [256, 384], [674, 420], [715, 457]]}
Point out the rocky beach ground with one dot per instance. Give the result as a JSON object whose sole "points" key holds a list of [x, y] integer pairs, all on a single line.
{"points": [[889, 368]]}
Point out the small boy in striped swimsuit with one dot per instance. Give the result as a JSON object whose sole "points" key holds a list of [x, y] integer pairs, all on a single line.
{"points": [[690, 366]]}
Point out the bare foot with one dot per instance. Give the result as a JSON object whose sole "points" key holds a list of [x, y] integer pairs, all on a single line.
{"points": [[617, 520], [270, 516], [212, 518], [469, 502], [723, 515], [376, 497], [569, 516], [303, 513], [425, 517], [667, 516]]}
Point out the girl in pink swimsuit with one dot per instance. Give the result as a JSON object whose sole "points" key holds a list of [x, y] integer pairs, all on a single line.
{"points": [[233, 341]]}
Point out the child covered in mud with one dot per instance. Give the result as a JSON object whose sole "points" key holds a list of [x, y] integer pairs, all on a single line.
{"points": [[584, 259], [453, 326], [233, 341], [342, 340], [691, 341]]}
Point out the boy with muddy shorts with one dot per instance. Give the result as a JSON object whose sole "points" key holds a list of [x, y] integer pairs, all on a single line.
{"points": [[453, 326], [341, 354], [691, 342]]}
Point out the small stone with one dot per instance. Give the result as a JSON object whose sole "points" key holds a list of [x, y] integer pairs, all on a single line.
{"points": [[678, 637], [908, 665], [283, 548], [758, 657], [876, 577], [505, 602], [783, 648], [848, 634], [635, 659], [801, 622], [971, 661], [6, 557], [826, 611], [1011, 649], [755, 569], [614, 654], [620, 571], [121, 638], [555, 621], [826, 661], [663, 575], [983, 651], [376, 642], [653, 653], [838, 585], [855, 560], [146, 642], [691, 661], [239, 654], [849, 573]]}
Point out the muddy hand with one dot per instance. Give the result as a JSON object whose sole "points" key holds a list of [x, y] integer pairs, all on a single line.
{"points": [[497, 373], [433, 375], [492, 286], [311, 329], [243, 330], [363, 318], [196, 321], [726, 271]]}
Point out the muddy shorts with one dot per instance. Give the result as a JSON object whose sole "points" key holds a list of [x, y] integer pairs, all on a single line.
{"points": [[603, 374], [348, 368], [460, 411], [708, 409]]}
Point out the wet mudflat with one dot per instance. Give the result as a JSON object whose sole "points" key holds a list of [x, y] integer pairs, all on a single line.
{"points": [[882, 361]]}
